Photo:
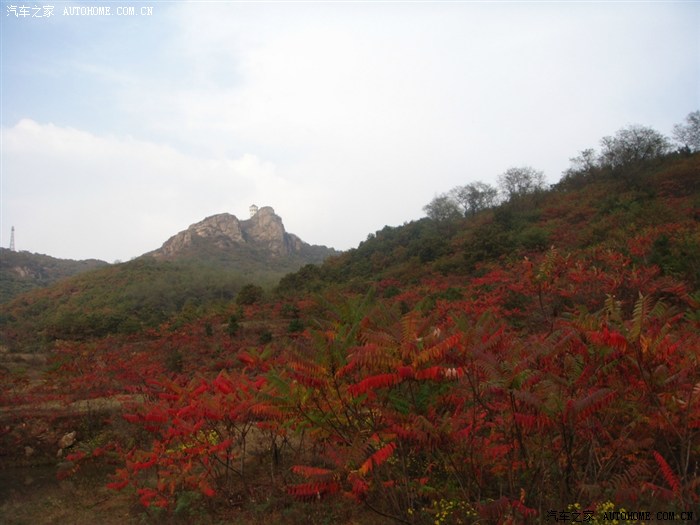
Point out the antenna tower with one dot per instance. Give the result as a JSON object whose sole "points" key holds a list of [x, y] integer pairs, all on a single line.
{"points": [[12, 239]]}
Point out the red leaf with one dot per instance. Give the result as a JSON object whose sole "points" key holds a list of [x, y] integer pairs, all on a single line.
{"points": [[376, 459], [118, 485], [405, 372], [313, 490], [434, 373], [76, 456], [206, 490], [310, 472], [200, 389], [668, 473], [374, 382], [223, 384]]}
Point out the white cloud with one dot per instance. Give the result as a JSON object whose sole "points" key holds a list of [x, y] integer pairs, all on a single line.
{"points": [[342, 116], [74, 194]]}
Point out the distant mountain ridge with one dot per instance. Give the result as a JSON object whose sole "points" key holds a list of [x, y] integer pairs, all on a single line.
{"points": [[209, 262], [224, 236], [23, 271]]}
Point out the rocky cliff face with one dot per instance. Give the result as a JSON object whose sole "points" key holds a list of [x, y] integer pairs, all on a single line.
{"points": [[223, 231], [263, 233], [266, 229]]}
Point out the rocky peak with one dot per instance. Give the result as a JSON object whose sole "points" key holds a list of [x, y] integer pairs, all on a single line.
{"points": [[266, 228], [221, 230], [222, 225], [263, 232]]}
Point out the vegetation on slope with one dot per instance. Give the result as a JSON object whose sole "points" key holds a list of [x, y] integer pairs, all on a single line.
{"points": [[24, 271], [142, 293], [656, 202], [122, 298], [538, 356]]}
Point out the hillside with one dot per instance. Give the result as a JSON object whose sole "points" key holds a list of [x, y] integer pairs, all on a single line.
{"points": [[652, 209], [24, 271], [198, 268], [540, 356]]}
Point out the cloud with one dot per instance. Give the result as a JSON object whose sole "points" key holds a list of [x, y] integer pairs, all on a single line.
{"points": [[468, 87], [79, 195], [344, 117]]}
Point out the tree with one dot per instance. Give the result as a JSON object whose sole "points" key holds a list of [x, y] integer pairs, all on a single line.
{"points": [[442, 208], [585, 162], [249, 294], [233, 326], [515, 182], [475, 196], [632, 144], [688, 134]]}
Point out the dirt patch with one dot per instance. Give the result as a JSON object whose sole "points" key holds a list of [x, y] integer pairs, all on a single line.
{"points": [[34, 495]]}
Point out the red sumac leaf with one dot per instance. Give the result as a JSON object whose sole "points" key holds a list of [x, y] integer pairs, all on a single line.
{"points": [[374, 382], [310, 472], [359, 487], [203, 387], [668, 473], [434, 373], [118, 485], [206, 489], [313, 490], [376, 459], [405, 372], [168, 397], [223, 384], [75, 456], [596, 401]]}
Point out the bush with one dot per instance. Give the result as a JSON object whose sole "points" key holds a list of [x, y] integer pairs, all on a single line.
{"points": [[249, 294]]}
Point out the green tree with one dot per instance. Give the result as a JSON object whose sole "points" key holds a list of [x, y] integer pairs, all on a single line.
{"points": [[442, 208], [233, 326], [249, 294]]}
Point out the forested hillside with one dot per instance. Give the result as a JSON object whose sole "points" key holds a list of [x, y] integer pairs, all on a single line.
{"points": [[511, 357], [197, 270], [24, 271], [653, 203]]}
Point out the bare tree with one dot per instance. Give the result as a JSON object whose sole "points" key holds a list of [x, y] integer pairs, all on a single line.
{"points": [[586, 161], [688, 133], [633, 144], [475, 196], [520, 181]]}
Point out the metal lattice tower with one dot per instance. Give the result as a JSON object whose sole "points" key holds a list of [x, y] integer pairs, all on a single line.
{"points": [[12, 239]]}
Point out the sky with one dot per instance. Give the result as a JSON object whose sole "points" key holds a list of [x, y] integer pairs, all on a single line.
{"points": [[119, 131]]}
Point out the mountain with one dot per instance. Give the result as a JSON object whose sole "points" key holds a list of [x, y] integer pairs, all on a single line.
{"points": [[206, 264], [258, 242], [24, 271]]}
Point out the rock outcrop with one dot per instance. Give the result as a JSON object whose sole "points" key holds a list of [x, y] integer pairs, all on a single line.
{"points": [[266, 229], [263, 234], [223, 230]]}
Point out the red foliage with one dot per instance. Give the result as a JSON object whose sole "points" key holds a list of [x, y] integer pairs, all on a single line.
{"points": [[550, 374]]}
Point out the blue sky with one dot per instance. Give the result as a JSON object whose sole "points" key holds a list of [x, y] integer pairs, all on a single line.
{"points": [[120, 131]]}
